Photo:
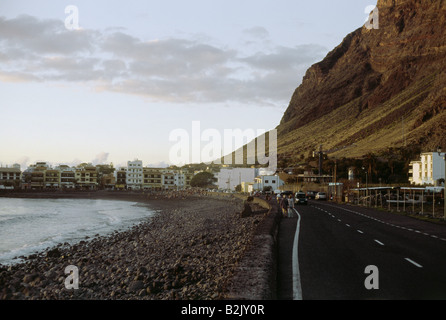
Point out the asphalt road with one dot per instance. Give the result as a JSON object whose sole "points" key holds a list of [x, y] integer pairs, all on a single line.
{"points": [[343, 252]]}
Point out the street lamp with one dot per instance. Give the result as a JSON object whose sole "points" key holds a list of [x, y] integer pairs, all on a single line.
{"points": [[444, 183]]}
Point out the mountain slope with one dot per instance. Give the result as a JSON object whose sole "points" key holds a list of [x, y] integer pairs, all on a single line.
{"points": [[379, 88]]}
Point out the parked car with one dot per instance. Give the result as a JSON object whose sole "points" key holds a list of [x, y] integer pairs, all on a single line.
{"points": [[321, 196], [286, 193], [311, 194], [301, 198]]}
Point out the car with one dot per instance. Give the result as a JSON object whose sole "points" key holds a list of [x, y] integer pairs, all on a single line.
{"points": [[311, 194], [301, 198], [286, 193], [321, 196]]}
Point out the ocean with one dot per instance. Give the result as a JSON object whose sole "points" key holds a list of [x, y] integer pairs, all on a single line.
{"points": [[29, 226]]}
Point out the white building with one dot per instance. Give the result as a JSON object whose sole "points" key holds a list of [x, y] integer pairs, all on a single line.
{"points": [[230, 178], [428, 170], [170, 179], [272, 181], [134, 176]]}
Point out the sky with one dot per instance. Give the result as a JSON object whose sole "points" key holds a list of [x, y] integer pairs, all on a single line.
{"points": [[109, 81]]}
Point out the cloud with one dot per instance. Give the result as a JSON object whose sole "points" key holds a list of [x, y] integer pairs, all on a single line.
{"points": [[257, 32], [285, 58], [23, 162], [163, 70], [101, 158], [161, 164], [44, 36]]}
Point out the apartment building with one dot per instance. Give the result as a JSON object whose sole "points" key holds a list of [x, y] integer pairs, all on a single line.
{"points": [[10, 177], [187, 177], [121, 178], [86, 177], [34, 176], [170, 180], [153, 178], [67, 177], [134, 176], [165, 178], [428, 170], [51, 178]]}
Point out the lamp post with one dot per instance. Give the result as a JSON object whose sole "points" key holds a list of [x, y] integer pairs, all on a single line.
{"points": [[444, 183]]}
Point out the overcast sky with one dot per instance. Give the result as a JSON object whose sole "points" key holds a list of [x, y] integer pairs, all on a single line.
{"points": [[114, 88]]}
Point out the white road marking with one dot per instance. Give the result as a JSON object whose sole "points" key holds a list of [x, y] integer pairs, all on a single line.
{"points": [[414, 263], [297, 287], [379, 242], [387, 223]]}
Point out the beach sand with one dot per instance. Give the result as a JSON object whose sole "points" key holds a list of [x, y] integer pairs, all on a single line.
{"points": [[190, 250]]}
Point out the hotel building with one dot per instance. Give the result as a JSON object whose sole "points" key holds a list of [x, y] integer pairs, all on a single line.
{"points": [[428, 170]]}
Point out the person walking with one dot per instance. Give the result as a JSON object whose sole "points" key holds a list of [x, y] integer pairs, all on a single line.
{"points": [[284, 205], [290, 206]]}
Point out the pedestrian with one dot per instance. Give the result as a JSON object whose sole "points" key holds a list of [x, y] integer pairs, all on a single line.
{"points": [[290, 206], [284, 205]]}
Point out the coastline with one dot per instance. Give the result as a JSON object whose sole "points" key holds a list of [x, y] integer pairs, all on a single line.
{"points": [[190, 250]]}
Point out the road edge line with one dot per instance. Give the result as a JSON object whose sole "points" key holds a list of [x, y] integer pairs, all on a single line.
{"points": [[297, 288]]}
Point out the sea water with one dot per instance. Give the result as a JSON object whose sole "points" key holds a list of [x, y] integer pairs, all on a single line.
{"points": [[29, 226]]}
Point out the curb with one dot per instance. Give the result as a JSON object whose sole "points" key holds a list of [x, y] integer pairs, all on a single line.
{"points": [[255, 277]]}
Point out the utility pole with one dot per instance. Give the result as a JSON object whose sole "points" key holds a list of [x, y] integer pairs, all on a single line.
{"points": [[320, 154], [335, 184], [403, 131], [444, 188]]}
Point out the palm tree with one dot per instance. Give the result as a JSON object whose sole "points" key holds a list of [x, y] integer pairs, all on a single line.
{"points": [[370, 162]]}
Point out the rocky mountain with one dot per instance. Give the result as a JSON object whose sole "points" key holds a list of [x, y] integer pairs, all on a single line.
{"points": [[379, 89]]}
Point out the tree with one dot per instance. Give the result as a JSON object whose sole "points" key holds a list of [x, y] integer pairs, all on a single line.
{"points": [[202, 180], [369, 163]]}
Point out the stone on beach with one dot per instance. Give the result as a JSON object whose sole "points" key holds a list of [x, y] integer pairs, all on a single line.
{"points": [[189, 250]]}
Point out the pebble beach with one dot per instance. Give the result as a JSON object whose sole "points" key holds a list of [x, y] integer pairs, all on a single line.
{"points": [[188, 251]]}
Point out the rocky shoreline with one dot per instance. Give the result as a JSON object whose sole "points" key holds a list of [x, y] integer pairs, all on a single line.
{"points": [[188, 251]]}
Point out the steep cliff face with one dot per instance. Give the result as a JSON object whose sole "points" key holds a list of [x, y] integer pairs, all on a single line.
{"points": [[379, 88]]}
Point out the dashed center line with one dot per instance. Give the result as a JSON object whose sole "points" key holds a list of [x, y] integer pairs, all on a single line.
{"points": [[379, 242], [390, 224], [414, 263], [381, 221]]}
